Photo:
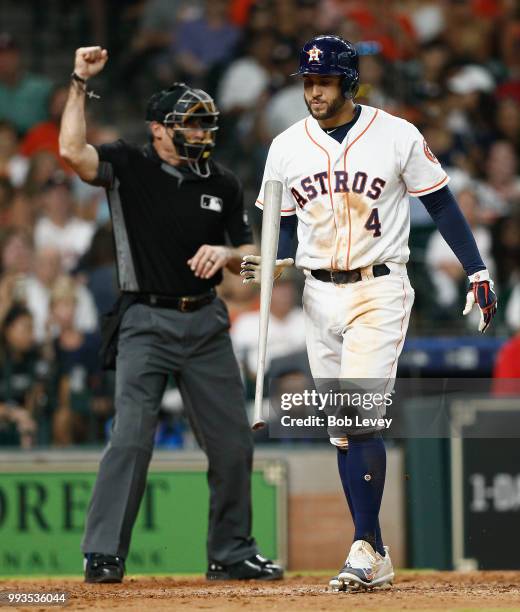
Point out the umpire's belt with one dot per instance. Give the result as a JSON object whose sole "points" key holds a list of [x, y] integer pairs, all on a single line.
{"points": [[343, 277], [188, 303]]}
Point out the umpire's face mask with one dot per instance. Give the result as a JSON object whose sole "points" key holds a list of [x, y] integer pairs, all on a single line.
{"points": [[194, 126]]}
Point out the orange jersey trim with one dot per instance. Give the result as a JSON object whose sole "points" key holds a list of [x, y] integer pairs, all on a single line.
{"points": [[283, 209], [345, 169], [432, 187], [328, 181]]}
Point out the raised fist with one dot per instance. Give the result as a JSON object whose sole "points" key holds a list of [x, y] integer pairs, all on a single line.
{"points": [[89, 61]]}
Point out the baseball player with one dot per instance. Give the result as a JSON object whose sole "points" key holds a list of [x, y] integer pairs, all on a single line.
{"points": [[347, 170]]}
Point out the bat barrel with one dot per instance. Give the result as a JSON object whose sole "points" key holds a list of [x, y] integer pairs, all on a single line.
{"points": [[269, 246]]}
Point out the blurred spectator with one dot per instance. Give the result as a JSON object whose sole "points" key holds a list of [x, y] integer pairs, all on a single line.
{"points": [[447, 146], [508, 121], [47, 270], [373, 91], [42, 166], [79, 380], [427, 19], [240, 11], [239, 298], [306, 16], [243, 90], [509, 41], [506, 249], [6, 201], [286, 333], [447, 275], [289, 376], [18, 360], [92, 200], [284, 17], [158, 21], [287, 105], [427, 72], [44, 136], [9, 294], [285, 58], [247, 78], [26, 201], [471, 104], [203, 42], [512, 309], [467, 33], [98, 266], [385, 23], [23, 96], [13, 166], [259, 19], [147, 52], [16, 253], [59, 227], [502, 175]]}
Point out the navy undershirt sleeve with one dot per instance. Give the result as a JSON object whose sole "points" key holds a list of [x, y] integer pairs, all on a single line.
{"points": [[287, 229], [445, 212]]}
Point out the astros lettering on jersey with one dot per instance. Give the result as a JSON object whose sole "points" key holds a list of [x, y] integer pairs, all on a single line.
{"points": [[351, 199]]}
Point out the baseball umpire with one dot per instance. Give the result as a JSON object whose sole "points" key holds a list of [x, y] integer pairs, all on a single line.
{"points": [[172, 208]]}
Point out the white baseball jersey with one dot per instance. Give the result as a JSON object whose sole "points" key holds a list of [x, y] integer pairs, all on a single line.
{"points": [[351, 198]]}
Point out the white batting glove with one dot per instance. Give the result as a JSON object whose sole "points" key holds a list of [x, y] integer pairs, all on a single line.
{"points": [[481, 293], [251, 268]]}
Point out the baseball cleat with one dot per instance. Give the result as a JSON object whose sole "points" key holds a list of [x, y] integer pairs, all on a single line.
{"points": [[101, 568], [384, 570], [364, 568], [254, 568], [336, 585]]}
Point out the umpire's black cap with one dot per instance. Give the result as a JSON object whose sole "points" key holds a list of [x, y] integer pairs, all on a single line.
{"points": [[163, 102]]}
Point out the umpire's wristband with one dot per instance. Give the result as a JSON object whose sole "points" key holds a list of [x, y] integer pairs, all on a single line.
{"points": [[83, 85], [76, 77]]}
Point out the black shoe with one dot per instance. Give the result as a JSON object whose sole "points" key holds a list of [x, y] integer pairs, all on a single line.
{"points": [[254, 568], [104, 568]]}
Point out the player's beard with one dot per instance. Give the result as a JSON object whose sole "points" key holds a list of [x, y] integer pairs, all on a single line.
{"points": [[331, 109]]}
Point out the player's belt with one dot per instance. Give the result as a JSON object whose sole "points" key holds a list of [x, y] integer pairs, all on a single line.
{"points": [[188, 303], [344, 277]]}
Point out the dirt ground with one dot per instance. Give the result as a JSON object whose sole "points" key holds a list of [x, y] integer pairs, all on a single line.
{"points": [[445, 591]]}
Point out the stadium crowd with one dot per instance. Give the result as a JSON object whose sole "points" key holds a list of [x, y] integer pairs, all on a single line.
{"points": [[452, 67]]}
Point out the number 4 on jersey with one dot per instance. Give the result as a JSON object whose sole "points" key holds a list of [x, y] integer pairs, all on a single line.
{"points": [[373, 223]]}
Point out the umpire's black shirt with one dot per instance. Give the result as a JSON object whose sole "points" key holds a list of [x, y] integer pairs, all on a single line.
{"points": [[162, 214]]}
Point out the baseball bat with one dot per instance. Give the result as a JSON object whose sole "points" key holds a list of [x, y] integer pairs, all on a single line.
{"points": [[268, 249]]}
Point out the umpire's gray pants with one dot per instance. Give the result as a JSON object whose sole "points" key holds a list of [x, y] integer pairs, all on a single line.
{"points": [[196, 348]]}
